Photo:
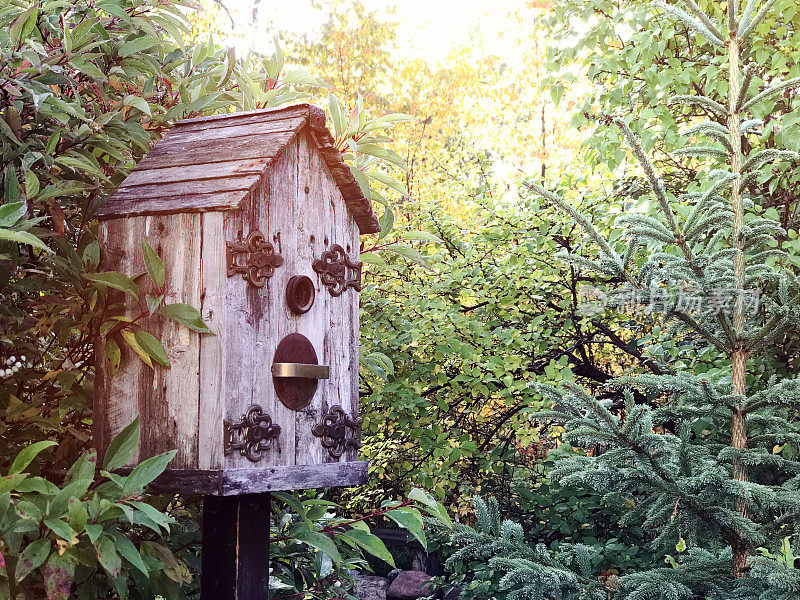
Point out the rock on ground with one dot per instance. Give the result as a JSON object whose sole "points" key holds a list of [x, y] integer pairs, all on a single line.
{"points": [[370, 588], [410, 585]]}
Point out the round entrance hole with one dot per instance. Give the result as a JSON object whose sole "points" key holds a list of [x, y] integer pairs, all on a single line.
{"points": [[300, 294]]}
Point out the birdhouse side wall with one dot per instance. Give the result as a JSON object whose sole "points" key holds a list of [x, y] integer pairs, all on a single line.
{"points": [[166, 399], [300, 210]]}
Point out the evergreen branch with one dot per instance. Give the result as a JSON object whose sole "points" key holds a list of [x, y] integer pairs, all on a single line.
{"points": [[579, 218], [701, 101], [745, 87], [695, 326], [633, 245], [751, 124], [691, 22], [747, 15], [733, 9], [789, 83], [723, 182], [746, 29], [762, 157], [656, 183], [703, 151], [703, 17]]}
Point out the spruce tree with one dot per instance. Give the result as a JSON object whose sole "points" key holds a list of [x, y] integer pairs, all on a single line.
{"points": [[709, 467]]}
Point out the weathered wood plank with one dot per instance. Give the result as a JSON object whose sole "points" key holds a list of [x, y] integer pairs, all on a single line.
{"points": [[121, 205], [258, 479], [295, 477], [252, 116], [217, 170], [313, 227], [187, 188], [230, 129], [212, 348], [209, 152], [168, 397], [114, 408], [281, 188], [247, 319]]}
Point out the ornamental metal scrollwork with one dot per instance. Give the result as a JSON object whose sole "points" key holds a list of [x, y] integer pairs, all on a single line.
{"points": [[255, 259], [334, 430], [338, 270], [252, 435]]}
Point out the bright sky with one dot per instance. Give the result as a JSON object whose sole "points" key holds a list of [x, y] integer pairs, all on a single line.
{"points": [[426, 28]]}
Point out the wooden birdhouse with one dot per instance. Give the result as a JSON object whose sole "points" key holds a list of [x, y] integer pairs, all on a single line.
{"points": [[257, 220]]}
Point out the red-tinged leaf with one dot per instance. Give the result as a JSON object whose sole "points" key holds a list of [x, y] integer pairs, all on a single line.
{"points": [[58, 575]]}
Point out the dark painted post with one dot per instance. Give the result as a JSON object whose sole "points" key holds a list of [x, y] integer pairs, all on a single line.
{"points": [[235, 547]]}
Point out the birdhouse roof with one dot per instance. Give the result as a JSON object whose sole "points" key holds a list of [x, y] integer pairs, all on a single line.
{"points": [[214, 163]]}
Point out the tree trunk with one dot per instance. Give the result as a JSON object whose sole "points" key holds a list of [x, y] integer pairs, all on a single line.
{"points": [[739, 355]]}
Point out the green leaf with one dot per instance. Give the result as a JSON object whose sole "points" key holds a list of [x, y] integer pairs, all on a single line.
{"points": [[411, 254], [136, 46], [154, 264], [390, 182], [31, 184], [113, 357], [129, 552], [115, 280], [372, 259], [25, 457], [362, 179], [411, 520], [317, 540], [123, 446], [337, 115], [382, 153], [32, 557], [146, 472], [131, 340], [386, 222], [422, 235], [153, 347], [60, 528], [371, 543], [93, 530], [11, 213], [155, 515], [91, 255], [11, 482], [107, 555], [138, 103], [83, 467], [292, 502], [187, 315], [22, 237], [23, 25], [78, 516]]}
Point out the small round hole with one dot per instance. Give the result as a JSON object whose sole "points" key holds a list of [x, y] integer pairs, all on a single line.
{"points": [[300, 294]]}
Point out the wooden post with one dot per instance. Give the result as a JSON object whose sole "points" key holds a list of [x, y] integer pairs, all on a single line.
{"points": [[235, 547]]}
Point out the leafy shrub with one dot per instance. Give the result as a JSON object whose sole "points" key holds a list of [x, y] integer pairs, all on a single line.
{"points": [[60, 538]]}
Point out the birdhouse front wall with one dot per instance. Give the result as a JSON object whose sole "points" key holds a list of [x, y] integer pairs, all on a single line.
{"points": [[300, 210]]}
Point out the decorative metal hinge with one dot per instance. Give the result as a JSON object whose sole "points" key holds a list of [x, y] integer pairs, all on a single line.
{"points": [[334, 430], [259, 256], [338, 270], [252, 436]]}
